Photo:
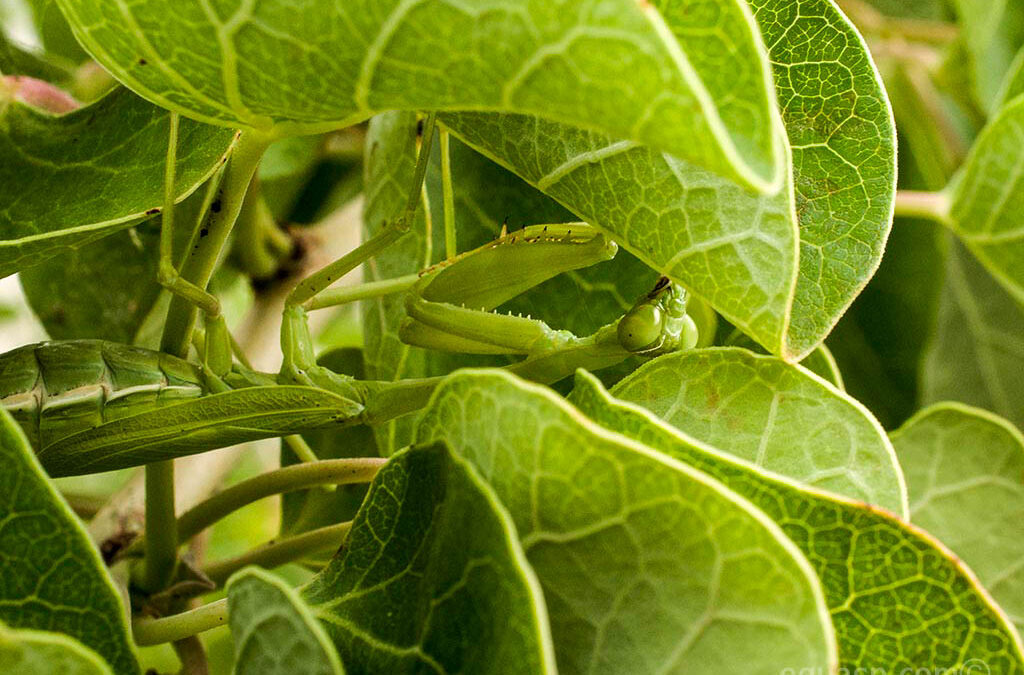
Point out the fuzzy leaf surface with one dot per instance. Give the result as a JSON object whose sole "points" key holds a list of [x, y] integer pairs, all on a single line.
{"points": [[647, 566], [868, 561], [964, 473], [274, 631], [315, 65], [773, 415], [67, 180], [976, 355], [432, 555], [781, 267], [988, 197], [53, 578], [36, 652]]}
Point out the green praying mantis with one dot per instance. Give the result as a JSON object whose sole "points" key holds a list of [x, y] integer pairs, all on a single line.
{"points": [[90, 405]]}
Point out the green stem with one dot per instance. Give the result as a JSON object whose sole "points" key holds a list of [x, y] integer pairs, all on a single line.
{"points": [[260, 245], [149, 632], [277, 553], [333, 297], [318, 281], [448, 196], [288, 479], [161, 527], [297, 444], [916, 204], [208, 243]]}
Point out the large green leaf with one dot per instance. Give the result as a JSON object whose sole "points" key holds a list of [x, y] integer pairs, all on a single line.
{"points": [[312, 65], [741, 252], [646, 564], [1013, 84], [53, 578], [274, 631], [78, 294], [899, 600], [432, 578], [35, 652], [965, 474], [976, 355], [65, 181], [991, 31], [16, 59], [988, 197], [774, 415], [54, 31]]}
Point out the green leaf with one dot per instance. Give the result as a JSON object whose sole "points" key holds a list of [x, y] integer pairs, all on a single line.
{"points": [[78, 294], [774, 415], [820, 361], [881, 341], [53, 578], [646, 564], [899, 600], [976, 355], [35, 652], [431, 556], [1013, 84], [964, 473], [823, 364], [991, 31], [16, 59], [55, 32], [988, 196], [65, 181], [274, 631], [317, 65], [734, 249]]}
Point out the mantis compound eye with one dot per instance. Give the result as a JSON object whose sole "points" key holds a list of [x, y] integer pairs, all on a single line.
{"points": [[690, 334], [640, 330]]}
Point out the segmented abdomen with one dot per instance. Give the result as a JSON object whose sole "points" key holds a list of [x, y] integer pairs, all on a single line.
{"points": [[55, 389]]}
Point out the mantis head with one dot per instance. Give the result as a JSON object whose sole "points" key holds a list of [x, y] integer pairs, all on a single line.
{"points": [[658, 322]]}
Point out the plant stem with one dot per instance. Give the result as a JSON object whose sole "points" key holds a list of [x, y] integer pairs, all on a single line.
{"points": [[317, 282], [180, 626], [260, 245], [297, 444], [288, 479], [207, 244], [448, 196], [373, 289], [277, 553], [161, 528], [916, 204]]}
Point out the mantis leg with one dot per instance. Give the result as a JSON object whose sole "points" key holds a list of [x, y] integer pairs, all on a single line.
{"points": [[217, 355], [314, 284]]}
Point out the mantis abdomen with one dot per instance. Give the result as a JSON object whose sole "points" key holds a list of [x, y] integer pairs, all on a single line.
{"points": [[91, 405], [57, 389]]}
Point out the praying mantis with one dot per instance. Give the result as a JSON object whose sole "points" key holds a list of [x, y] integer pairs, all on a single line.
{"points": [[89, 405]]}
